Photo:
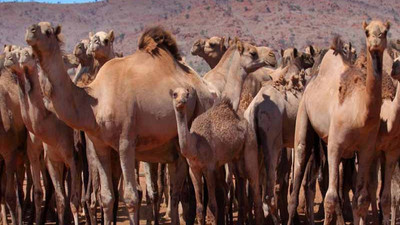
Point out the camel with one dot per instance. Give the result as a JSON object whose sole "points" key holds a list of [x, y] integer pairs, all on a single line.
{"points": [[337, 81], [395, 194], [99, 50], [227, 142], [114, 128], [272, 113], [388, 136], [57, 137], [211, 50], [12, 140]]}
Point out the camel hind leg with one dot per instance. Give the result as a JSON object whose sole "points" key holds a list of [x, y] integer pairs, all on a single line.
{"points": [[151, 174], [302, 152]]}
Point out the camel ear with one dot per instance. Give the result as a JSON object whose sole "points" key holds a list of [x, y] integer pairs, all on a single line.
{"points": [[295, 52], [90, 35], [282, 51], [57, 30], [7, 48], [222, 43], [171, 93], [365, 25], [111, 35], [312, 50], [387, 25], [239, 45]]}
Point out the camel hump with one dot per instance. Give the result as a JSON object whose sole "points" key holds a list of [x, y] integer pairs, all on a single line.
{"points": [[158, 37], [337, 46]]}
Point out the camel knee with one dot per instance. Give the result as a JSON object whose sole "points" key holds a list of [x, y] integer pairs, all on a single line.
{"points": [[107, 201], [330, 202], [363, 202]]}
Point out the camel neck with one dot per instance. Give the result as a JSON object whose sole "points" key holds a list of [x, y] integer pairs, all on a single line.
{"points": [[72, 104], [374, 77], [183, 133], [213, 62], [234, 77], [103, 59]]}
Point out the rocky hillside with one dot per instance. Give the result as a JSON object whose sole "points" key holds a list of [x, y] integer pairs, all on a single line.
{"points": [[275, 23]]}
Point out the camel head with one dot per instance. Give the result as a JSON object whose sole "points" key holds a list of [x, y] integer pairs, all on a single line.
{"points": [[80, 49], [9, 48], [180, 97], [252, 58], [43, 37], [27, 59], [214, 47], [268, 54], [396, 69], [288, 55], [375, 33], [101, 44], [198, 47], [11, 61]]}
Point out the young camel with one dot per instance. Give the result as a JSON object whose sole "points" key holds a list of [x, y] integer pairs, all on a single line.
{"points": [[227, 142], [58, 146], [138, 126], [349, 126]]}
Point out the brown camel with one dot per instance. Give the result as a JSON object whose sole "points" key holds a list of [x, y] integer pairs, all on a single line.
{"points": [[119, 125], [57, 137], [99, 50], [227, 142], [395, 194], [349, 126], [12, 140]]}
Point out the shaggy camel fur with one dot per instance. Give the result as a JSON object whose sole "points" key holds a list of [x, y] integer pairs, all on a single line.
{"points": [[217, 142], [349, 126], [57, 137], [12, 140], [138, 126]]}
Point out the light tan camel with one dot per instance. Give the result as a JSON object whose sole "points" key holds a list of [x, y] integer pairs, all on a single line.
{"points": [[99, 50], [87, 68], [388, 142], [12, 140], [120, 125], [219, 136], [272, 114], [57, 137], [349, 126], [211, 50]]}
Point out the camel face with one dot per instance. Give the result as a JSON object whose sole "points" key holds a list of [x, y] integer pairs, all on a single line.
{"points": [[396, 69], [11, 61], [198, 47], [43, 36], [180, 97], [81, 48], [376, 32], [26, 58], [288, 55], [213, 46], [251, 59], [268, 54], [101, 43]]}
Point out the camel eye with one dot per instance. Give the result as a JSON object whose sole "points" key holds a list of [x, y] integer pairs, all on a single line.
{"points": [[106, 41], [366, 33], [175, 95], [212, 45], [253, 54]]}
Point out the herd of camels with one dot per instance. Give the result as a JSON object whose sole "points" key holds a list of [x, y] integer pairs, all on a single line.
{"points": [[246, 137]]}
